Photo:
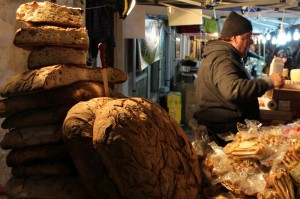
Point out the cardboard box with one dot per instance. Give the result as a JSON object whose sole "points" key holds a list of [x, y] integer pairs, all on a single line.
{"points": [[288, 105], [285, 94], [269, 115]]}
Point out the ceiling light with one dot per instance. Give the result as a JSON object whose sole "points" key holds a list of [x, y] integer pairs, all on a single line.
{"points": [[288, 36], [274, 40], [296, 35], [281, 36], [243, 9], [268, 36], [263, 40]]}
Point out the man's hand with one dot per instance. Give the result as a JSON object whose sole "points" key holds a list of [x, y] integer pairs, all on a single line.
{"points": [[277, 80]]}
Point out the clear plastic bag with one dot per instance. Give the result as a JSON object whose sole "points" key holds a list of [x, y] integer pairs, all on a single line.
{"points": [[201, 139]]}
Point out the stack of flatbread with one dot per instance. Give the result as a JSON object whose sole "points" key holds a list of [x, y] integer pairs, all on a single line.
{"points": [[36, 101]]}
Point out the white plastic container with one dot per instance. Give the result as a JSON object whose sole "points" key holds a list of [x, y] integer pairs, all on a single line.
{"points": [[276, 66], [295, 74]]}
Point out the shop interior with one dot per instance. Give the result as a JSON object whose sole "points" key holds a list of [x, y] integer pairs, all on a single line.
{"points": [[275, 24]]}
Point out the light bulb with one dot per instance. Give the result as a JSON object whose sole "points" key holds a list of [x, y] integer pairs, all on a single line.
{"points": [[296, 35], [281, 37], [274, 40], [288, 36], [263, 40], [268, 37]]}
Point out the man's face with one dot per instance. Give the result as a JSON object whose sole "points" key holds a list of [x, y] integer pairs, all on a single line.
{"points": [[243, 42], [283, 56]]}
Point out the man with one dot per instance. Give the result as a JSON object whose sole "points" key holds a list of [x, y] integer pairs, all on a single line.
{"points": [[226, 94]]}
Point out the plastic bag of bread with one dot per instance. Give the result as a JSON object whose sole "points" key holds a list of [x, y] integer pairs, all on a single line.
{"points": [[216, 164], [241, 176], [201, 139]]}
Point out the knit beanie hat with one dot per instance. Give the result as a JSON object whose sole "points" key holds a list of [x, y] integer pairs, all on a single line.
{"points": [[235, 24]]}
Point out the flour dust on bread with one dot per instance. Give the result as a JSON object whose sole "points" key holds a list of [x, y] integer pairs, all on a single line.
{"points": [[41, 13], [29, 38], [51, 55], [56, 76]]}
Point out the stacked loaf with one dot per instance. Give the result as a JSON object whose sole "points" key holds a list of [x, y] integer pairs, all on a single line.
{"points": [[36, 101]]}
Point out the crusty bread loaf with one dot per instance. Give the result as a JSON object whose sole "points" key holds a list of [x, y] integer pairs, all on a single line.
{"points": [[52, 55], [44, 153], [30, 37], [36, 13], [142, 147], [58, 187], [72, 94], [90, 167], [60, 168], [45, 116], [32, 136], [57, 76]]}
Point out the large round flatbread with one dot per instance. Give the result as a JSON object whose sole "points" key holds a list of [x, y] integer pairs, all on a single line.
{"points": [[37, 13], [56, 76], [52, 55], [72, 94], [59, 187], [44, 153], [29, 38], [32, 136], [36, 117]]}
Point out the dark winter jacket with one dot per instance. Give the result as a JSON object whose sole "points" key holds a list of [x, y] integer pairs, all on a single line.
{"points": [[226, 94]]}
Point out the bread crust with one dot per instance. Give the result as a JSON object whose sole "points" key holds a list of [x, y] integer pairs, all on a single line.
{"points": [[56, 76], [51, 55], [72, 94], [29, 38], [38, 13], [126, 133], [44, 153], [66, 187], [36, 117], [32, 136]]}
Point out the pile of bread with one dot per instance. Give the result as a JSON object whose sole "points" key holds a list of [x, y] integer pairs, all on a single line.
{"points": [[261, 162], [34, 103], [69, 141]]}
